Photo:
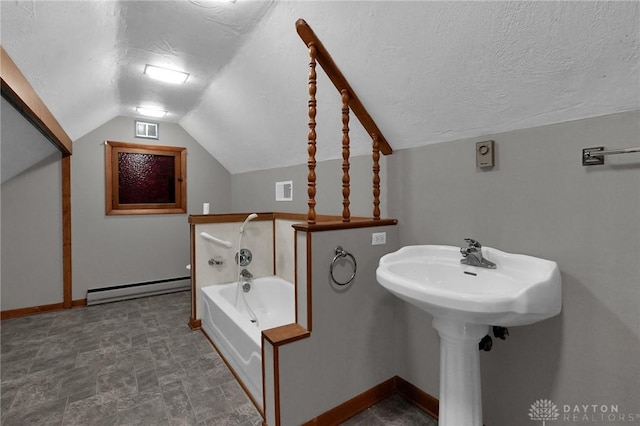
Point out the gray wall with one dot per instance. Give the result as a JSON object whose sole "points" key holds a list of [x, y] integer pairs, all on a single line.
{"points": [[255, 191], [538, 200], [32, 235], [349, 350], [109, 250]]}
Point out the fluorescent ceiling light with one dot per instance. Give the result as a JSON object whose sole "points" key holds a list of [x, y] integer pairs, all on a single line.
{"points": [[165, 74], [151, 112]]}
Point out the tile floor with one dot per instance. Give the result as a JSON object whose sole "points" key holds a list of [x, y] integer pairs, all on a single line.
{"points": [[133, 362]]}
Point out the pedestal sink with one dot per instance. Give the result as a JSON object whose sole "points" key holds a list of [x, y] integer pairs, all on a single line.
{"points": [[464, 301]]}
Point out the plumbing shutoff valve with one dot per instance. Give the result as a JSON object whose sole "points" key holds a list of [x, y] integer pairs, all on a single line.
{"points": [[500, 332], [486, 343]]}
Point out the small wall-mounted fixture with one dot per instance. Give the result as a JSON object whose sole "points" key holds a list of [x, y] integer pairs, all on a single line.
{"points": [[284, 191], [146, 130], [595, 156], [485, 154]]}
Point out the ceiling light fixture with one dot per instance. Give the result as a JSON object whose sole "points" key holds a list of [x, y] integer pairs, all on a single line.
{"points": [[151, 112], [165, 74]]}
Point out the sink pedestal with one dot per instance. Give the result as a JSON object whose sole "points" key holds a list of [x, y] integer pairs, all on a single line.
{"points": [[460, 386]]}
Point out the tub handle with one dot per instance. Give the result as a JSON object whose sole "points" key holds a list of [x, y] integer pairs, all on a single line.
{"points": [[340, 253]]}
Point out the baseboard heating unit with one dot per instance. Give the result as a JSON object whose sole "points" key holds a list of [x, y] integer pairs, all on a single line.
{"points": [[114, 293]]}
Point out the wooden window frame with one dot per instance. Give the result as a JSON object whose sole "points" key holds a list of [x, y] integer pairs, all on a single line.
{"points": [[113, 206]]}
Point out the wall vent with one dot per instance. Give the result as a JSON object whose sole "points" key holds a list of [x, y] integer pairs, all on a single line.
{"points": [[284, 191]]}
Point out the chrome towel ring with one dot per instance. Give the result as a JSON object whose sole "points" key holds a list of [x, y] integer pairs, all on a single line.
{"points": [[340, 253]]}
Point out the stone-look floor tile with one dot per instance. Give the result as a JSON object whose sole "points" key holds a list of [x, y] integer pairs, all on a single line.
{"points": [[128, 402], [209, 404], [46, 414], [64, 360], [147, 379], [249, 412], [64, 328], [182, 352], [178, 406], [128, 363], [120, 341], [81, 380], [85, 342], [98, 409], [366, 418], [121, 382], [165, 366], [234, 393], [151, 413], [160, 350], [397, 411], [36, 391], [19, 353], [98, 358], [16, 370], [8, 393]]}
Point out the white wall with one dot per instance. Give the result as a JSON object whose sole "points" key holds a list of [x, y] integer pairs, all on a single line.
{"points": [[111, 250], [32, 236]]}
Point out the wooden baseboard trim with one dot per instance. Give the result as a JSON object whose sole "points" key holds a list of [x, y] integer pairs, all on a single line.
{"points": [[417, 397], [195, 324], [355, 405], [33, 310], [350, 408]]}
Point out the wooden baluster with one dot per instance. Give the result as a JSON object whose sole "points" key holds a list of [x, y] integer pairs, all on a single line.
{"points": [[346, 190], [311, 149], [376, 178]]}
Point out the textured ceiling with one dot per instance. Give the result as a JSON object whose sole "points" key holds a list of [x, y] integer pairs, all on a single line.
{"points": [[427, 71]]}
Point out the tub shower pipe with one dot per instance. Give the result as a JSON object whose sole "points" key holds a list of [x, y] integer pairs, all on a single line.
{"points": [[247, 220], [244, 274]]}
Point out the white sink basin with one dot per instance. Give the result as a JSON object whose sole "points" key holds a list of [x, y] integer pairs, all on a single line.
{"points": [[464, 301], [521, 290]]}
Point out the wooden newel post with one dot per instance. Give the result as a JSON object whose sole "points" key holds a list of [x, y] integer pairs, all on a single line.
{"points": [[311, 149], [376, 178], [346, 190]]}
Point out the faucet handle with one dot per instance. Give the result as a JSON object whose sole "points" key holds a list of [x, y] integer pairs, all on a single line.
{"points": [[473, 243]]}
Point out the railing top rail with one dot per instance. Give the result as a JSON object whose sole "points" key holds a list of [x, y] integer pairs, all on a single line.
{"points": [[335, 75]]}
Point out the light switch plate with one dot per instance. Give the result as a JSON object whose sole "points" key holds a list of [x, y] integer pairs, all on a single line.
{"points": [[485, 154]]}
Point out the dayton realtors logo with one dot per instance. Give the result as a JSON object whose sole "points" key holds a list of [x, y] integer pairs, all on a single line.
{"points": [[545, 410]]}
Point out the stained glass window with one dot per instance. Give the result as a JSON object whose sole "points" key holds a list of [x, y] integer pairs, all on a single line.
{"points": [[145, 179]]}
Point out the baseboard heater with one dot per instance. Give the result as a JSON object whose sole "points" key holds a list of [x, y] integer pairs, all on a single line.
{"points": [[115, 293]]}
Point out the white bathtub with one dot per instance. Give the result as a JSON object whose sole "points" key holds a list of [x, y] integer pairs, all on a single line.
{"points": [[231, 329]]}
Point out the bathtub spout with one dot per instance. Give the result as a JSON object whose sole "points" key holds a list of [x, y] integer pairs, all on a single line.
{"points": [[246, 274]]}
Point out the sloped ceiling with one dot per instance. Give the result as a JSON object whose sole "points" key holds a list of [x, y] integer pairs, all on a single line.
{"points": [[427, 71]]}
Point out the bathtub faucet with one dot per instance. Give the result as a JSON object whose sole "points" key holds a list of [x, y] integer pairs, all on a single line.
{"points": [[246, 274], [472, 255]]}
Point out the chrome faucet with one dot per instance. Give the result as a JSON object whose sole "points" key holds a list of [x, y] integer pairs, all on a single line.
{"points": [[472, 255], [246, 274]]}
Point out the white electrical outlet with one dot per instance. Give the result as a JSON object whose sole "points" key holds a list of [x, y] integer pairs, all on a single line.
{"points": [[378, 238]]}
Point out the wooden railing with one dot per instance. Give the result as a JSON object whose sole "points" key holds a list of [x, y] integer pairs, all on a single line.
{"points": [[318, 55]]}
